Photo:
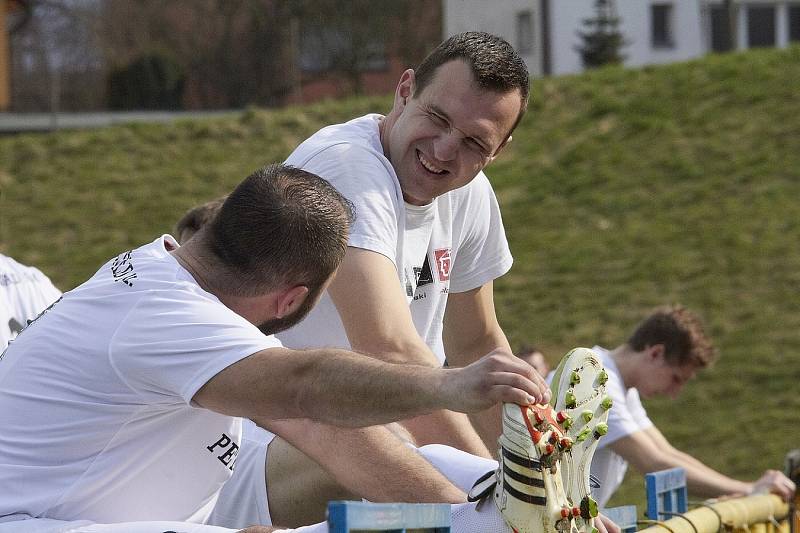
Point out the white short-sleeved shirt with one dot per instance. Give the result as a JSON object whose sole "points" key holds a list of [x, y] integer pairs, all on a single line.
{"points": [[626, 417], [96, 397], [24, 293], [454, 244]]}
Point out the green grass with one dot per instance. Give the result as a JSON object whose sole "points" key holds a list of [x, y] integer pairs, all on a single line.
{"points": [[622, 190]]}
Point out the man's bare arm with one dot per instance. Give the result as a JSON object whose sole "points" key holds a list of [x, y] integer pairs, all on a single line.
{"points": [[346, 389], [770, 481], [378, 322], [649, 451], [404, 475], [470, 331]]}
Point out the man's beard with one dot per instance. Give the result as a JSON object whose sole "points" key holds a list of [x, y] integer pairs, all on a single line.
{"points": [[276, 325]]}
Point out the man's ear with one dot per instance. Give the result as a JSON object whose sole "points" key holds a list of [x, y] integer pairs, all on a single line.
{"points": [[404, 90], [657, 351], [290, 300]]}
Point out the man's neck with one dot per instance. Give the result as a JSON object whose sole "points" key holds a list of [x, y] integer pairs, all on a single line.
{"points": [[626, 361]]}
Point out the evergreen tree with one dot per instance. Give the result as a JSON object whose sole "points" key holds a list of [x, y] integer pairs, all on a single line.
{"points": [[602, 41]]}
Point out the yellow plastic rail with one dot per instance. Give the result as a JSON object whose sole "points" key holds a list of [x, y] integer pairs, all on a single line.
{"points": [[765, 513]]}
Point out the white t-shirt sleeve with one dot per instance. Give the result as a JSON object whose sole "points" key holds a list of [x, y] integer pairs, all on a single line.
{"points": [[363, 177], [167, 348], [483, 252]]}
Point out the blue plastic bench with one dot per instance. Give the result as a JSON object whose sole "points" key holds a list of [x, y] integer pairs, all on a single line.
{"points": [[345, 517], [666, 493]]}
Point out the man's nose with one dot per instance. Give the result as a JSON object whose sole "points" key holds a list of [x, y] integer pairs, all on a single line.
{"points": [[446, 145]]}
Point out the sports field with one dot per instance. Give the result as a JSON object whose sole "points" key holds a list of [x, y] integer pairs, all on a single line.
{"points": [[622, 190]]}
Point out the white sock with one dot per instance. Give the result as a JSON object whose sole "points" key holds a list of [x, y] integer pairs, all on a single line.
{"points": [[461, 468], [477, 516]]}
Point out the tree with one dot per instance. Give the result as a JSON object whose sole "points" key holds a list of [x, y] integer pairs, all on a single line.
{"points": [[602, 41]]}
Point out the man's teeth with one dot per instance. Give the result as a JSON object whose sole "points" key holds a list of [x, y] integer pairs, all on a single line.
{"points": [[430, 166]]}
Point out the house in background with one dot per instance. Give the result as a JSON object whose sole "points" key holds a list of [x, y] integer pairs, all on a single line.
{"points": [[545, 32]]}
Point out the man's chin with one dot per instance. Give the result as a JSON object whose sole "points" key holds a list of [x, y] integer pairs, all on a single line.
{"points": [[276, 325]]}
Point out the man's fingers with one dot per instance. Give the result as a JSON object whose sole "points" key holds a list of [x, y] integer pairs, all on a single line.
{"points": [[515, 388], [605, 525]]}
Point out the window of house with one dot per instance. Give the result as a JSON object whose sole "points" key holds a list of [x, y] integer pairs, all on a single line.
{"points": [[524, 32], [720, 29], [760, 26], [661, 26], [794, 22], [327, 48]]}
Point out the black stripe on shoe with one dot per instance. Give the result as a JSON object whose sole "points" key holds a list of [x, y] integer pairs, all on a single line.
{"points": [[527, 498], [516, 476], [521, 461]]}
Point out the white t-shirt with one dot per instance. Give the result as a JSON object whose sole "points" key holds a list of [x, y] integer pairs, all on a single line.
{"points": [[24, 293], [95, 397], [627, 416], [456, 243]]}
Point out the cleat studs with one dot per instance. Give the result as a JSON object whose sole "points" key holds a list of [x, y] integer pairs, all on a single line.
{"points": [[574, 378], [576, 512], [570, 401], [587, 415], [607, 403], [549, 449], [583, 435], [600, 430], [536, 436], [566, 443], [602, 377], [561, 416], [553, 438], [589, 508], [567, 423]]}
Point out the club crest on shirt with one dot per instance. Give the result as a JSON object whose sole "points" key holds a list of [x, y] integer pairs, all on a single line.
{"points": [[443, 263]]}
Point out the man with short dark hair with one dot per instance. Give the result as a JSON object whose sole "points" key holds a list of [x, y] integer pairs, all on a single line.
{"points": [[664, 352], [121, 405], [429, 240]]}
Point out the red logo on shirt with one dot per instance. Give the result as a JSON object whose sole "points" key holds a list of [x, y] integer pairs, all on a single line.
{"points": [[443, 263]]}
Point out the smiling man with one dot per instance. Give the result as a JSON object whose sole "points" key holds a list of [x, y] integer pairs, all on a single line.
{"points": [[664, 352], [429, 240]]}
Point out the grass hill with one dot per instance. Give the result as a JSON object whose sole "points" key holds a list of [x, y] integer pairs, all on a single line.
{"points": [[622, 190]]}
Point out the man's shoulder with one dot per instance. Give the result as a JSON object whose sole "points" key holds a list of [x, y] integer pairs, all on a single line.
{"points": [[358, 134]]}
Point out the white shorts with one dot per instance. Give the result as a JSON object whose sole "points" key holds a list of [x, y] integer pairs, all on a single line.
{"points": [[243, 499]]}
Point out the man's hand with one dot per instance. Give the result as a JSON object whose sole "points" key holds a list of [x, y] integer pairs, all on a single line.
{"points": [[496, 377], [775, 482], [605, 525]]}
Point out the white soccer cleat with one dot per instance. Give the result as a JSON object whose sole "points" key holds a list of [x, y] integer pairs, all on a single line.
{"points": [[529, 491], [579, 397]]}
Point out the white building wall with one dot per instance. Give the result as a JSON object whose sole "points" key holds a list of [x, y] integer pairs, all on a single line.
{"points": [[690, 28], [635, 24], [498, 17]]}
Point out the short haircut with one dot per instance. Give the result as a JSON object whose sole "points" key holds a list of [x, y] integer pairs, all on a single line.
{"points": [[195, 218], [281, 225], [682, 334], [494, 63]]}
